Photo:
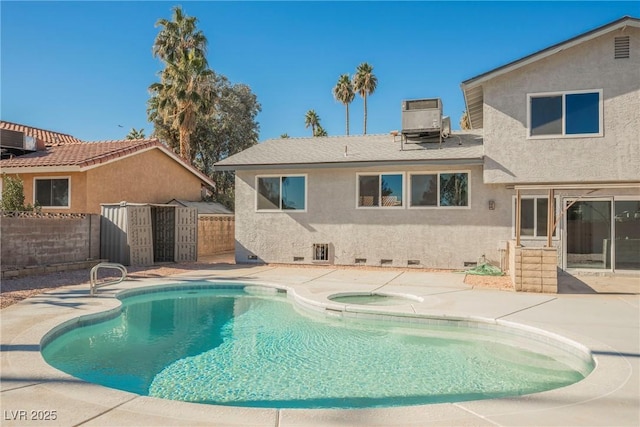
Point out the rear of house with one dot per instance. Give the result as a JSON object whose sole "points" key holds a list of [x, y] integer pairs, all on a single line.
{"points": [[562, 124]]}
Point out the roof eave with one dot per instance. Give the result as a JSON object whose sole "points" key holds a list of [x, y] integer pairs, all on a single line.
{"points": [[353, 164], [11, 170]]}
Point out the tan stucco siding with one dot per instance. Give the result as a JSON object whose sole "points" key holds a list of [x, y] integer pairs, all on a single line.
{"points": [[148, 177], [438, 237], [77, 188], [511, 157]]}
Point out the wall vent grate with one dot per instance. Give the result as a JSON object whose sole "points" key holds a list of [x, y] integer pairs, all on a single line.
{"points": [[361, 261], [321, 252], [622, 47], [386, 261], [413, 262], [298, 258]]}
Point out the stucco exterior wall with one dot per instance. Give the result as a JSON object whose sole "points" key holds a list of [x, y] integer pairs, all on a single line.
{"points": [[437, 237], [78, 189], [510, 157], [148, 177]]}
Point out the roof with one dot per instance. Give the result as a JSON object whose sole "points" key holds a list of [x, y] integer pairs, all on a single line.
{"points": [[49, 137], [472, 88], [349, 151], [79, 157], [204, 208]]}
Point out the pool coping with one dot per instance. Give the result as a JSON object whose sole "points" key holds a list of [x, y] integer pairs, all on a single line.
{"points": [[30, 387]]}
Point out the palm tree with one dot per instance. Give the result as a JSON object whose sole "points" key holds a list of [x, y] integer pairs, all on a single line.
{"points": [[312, 119], [136, 134], [365, 82], [320, 131], [184, 85], [343, 92], [465, 122]]}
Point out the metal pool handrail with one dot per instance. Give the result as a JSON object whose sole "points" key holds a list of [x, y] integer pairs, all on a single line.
{"points": [[93, 275]]}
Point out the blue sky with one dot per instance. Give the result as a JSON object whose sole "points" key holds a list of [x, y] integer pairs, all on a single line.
{"points": [[83, 68]]}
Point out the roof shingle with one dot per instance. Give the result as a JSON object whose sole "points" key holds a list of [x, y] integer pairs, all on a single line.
{"points": [[347, 150]]}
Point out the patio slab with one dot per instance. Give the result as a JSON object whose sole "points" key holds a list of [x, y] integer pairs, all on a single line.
{"points": [[607, 325]]}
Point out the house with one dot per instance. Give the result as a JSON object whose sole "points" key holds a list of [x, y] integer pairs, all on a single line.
{"points": [[65, 175], [562, 124]]}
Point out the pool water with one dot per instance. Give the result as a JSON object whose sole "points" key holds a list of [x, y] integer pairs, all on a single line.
{"points": [[231, 347], [371, 299]]}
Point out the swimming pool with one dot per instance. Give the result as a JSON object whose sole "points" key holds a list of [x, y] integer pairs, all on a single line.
{"points": [[252, 346]]}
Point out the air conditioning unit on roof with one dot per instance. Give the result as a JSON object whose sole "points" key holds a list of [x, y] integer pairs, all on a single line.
{"points": [[421, 115]]}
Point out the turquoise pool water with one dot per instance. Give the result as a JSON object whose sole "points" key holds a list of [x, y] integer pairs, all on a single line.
{"points": [[233, 347]]}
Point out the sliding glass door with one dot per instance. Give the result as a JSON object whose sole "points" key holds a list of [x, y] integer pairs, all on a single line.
{"points": [[602, 234], [588, 242], [627, 234]]}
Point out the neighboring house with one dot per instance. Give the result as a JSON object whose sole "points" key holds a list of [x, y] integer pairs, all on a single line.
{"points": [[76, 177], [564, 122]]}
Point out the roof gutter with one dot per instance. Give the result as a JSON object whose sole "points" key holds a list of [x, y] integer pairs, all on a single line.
{"points": [[328, 165]]}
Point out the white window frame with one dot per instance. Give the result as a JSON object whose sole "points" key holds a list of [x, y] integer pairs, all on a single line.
{"points": [[556, 212], [564, 94], [306, 180], [46, 178], [404, 189], [438, 173]]}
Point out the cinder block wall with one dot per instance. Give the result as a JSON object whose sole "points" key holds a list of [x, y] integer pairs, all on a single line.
{"points": [[216, 234], [40, 240], [534, 269]]}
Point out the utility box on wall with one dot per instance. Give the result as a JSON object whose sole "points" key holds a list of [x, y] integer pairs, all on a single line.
{"points": [[143, 234]]}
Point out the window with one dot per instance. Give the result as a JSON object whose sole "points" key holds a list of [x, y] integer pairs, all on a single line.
{"points": [[380, 190], [533, 216], [449, 189], [277, 193], [51, 193], [565, 114]]}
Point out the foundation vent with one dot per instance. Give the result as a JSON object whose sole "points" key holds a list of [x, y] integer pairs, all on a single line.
{"points": [[622, 47], [321, 252], [413, 262], [360, 261], [298, 258], [252, 257], [386, 261]]}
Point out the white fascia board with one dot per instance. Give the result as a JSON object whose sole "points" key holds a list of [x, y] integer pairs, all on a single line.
{"points": [[355, 164]]}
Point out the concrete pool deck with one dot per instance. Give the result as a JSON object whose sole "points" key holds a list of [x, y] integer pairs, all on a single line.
{"points": [[608, 325]]}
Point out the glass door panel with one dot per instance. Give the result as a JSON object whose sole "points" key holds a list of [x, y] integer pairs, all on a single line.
{"points": [[627, 232], [589, 234]]}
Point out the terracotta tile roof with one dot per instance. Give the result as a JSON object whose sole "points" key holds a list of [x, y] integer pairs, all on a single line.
{"points": [[87, 154], [49, 137], [79, 154]]}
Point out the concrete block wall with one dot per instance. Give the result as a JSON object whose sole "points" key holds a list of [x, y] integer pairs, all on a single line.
{"points": [[216, 234], [30, 240], [534, 269]]}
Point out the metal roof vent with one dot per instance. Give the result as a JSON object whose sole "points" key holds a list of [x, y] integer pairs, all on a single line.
{"points": [[622, 47]]}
